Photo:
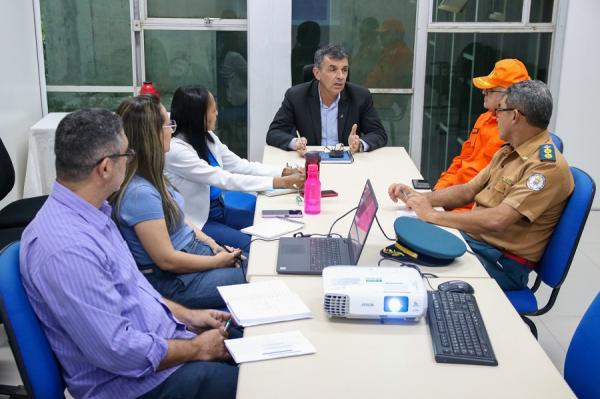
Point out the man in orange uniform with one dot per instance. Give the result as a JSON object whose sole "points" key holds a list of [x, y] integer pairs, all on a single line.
{"points": [[484, 139]]}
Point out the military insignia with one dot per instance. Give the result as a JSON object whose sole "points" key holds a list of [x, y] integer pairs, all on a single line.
{"points": [[536, 182], [547, 153]]}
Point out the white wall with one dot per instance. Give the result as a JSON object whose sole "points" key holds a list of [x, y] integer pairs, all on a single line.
{"points": [[578, 102], [20, 101], [269, 64]]}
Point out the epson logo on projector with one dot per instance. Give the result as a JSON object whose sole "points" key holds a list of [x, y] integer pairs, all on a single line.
{"points": [[368, 305]]}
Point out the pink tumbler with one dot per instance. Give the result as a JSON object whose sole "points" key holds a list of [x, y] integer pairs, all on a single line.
{"points": [[312, 191]]}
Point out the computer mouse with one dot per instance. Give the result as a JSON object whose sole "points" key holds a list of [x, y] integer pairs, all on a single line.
{"points": [[456, 286]]}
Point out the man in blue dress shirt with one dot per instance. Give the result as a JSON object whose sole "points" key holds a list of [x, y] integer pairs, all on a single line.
{"points": [[113, 334]]}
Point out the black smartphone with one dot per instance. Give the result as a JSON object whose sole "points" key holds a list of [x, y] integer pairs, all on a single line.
{"points": [[324, 193], [282, 213], [421, 184]]}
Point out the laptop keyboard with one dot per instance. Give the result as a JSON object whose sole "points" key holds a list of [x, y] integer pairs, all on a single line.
{"points": [[324, 252]]}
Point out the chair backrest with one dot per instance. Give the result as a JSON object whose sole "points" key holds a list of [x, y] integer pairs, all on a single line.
{"points": [[37, 365], [557, 141], [560, 250], [583, 357], [7, 177]]}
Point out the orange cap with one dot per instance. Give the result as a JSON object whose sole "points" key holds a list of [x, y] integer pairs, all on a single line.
{"points": [[391, 24], [505, 73]]}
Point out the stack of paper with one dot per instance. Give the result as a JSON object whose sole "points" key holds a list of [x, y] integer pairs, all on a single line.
{"points": [[270, 346], [263, 302], [273, 228]]}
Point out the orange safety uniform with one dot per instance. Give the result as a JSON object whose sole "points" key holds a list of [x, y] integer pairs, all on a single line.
{"points": [[476, 153]]}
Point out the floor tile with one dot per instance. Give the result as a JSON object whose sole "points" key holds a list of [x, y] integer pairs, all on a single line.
{"points": [[551, 346]]}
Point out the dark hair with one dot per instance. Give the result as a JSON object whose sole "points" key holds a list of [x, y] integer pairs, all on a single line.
{"points": [[533, 99], [83, 138], [188, 108], [333, 51]]}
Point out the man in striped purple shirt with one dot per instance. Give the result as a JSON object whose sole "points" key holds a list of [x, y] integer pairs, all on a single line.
{"points": [[113, 334]]}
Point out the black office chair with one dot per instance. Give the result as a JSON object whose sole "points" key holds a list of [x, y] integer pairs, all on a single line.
{"points": [[307, 74], [15, 216]]}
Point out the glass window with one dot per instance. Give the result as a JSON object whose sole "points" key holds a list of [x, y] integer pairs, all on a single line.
{"points": [[215, 59], [477, 10], [380, 50], [394, 111], [87, 42], [67, 102], [229, 9], [452, 103], [541, 10]]}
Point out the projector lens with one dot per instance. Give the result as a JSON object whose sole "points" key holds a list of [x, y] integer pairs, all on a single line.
{"points": [[395, 304]]}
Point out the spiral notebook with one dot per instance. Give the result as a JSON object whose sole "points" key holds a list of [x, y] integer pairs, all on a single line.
{"points": [[327, 158]]}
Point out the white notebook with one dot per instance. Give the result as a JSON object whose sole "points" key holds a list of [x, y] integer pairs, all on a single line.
{"points": [[274, 192], [269, 346], [273, 228], [263, 302]]}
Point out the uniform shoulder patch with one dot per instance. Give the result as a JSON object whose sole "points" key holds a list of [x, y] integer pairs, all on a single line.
{"points": [[547, 153], [536, 182]]}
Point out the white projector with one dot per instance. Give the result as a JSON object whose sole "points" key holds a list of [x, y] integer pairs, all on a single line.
{"points": [[357, 292]]}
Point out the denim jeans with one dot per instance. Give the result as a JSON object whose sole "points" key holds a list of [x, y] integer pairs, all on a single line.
{"points": [[198, 380], [509, 274], [223, 233], [197, 290]]}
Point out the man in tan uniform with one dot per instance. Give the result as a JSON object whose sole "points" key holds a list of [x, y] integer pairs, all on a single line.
{"points": [[519, 196]]}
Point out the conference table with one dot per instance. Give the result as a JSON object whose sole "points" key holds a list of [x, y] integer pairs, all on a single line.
{"points": [[368, 358], [382, 167]]}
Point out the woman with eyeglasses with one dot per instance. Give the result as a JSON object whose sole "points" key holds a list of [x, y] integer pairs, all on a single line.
{"points": [[202, 167], [178, 259]]}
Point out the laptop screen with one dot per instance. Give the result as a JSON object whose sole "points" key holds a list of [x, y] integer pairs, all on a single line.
{"points": [[363, 219]]}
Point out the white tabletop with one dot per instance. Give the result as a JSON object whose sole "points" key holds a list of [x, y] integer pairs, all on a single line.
{"points": [[366, 359], [383, 167], [40, 172]]}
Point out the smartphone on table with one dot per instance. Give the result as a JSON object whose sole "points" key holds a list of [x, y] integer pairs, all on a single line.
{"points": [[421, 184], [324, 193], [282, 213]]}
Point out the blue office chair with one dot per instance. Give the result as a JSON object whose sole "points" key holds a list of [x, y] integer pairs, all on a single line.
{"points": [[239, 209], [39, 369], [560, 250], [583, 357], [557, 142]]}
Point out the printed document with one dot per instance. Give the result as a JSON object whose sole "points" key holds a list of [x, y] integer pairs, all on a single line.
{"points": [[270, 346]]}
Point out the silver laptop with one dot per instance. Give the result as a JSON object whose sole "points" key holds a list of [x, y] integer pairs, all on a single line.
{"points": [[310, 255]]}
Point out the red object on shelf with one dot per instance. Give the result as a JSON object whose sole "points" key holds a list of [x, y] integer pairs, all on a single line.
{"points": [[148, 88]]}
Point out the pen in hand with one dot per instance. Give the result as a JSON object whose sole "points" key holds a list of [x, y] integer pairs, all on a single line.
{"points": [[226, 327]]}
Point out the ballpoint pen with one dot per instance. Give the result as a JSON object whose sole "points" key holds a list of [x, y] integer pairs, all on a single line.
{"points": [[290, 220], [226, 327]]}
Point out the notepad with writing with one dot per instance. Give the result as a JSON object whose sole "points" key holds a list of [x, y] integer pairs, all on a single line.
{"points": [[327, 158], [273, 228], [263, 302], [269, 346]]}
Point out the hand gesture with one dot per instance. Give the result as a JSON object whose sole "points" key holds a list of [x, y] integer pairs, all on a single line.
{"points": [[399, 191], [228, 259], [301, 146], [206, 319], [210, 345], [291, 181], [354, 140]]}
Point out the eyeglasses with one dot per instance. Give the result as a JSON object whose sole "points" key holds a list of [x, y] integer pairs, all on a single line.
{"points": [[509, 109], [172, 125], [337, 147], [129, 153]]}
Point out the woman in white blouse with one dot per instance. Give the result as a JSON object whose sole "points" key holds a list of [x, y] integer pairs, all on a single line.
{"points": [[200, 167]]}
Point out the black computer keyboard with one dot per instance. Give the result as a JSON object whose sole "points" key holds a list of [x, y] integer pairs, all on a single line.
{"points": [[457, 330], [324, 252]]}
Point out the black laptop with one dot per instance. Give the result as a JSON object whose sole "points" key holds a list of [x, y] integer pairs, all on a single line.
{"points": [[309, 255]]}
